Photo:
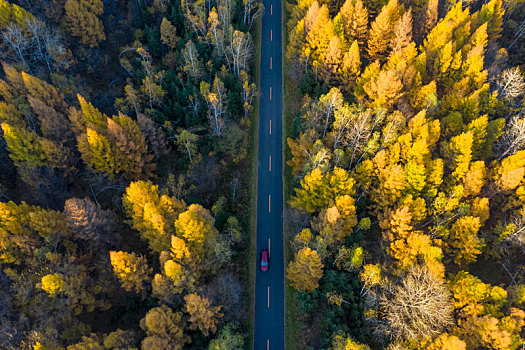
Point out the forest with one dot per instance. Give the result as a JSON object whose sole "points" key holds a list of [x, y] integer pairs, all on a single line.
{"points": [[406, 166], [125, 155]]}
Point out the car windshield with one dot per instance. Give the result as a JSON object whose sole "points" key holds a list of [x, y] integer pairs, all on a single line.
{"points": [[264, 263]]}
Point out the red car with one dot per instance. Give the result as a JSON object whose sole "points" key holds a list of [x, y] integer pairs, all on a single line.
{"points": [[264, 260]]}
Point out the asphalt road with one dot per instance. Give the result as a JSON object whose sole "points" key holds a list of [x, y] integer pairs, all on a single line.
{"points": [[269, 286]]}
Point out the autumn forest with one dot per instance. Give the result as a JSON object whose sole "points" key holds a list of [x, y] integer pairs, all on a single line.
{"points": [[127, 157], [407, 159], [124, 173]]}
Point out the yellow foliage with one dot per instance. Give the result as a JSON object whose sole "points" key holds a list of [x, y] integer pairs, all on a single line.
{"points": [[400, 223], [416, 246], [417, 206], [202, 315], [463, 242], [435, 173], [485, 332], [472, 296], [320, 190], [305, 270], [480, 208], [99, 153], [384, 89], [23, 145], [12, 13], [371, 274], [509, 173], [382, 30], [168, 34], [152, 214], [475, 178], [446, 341], [174, 271], [196, 226], [424, 96], [132, 271], [461, 154], [179, 250], [52, 283], [82, 19], [92, 116]]}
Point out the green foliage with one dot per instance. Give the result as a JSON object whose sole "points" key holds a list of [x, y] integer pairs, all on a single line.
{"points": [[227, 338]]}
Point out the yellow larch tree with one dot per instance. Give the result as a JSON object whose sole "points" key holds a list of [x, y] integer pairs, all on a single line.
{"points": [[416, 248], [330, 69], [320, 190], [151, 213], [320, 31], [382, 30], [350, 68], [23, 145], [203, 316], [132, 271], [384, 89], [463, 242], [52, 283], [196, 227], [353, 20], [446, 341], [305, 270], [83, 22], [508, 174], [168, 34], [475, 178], [460, 154]]}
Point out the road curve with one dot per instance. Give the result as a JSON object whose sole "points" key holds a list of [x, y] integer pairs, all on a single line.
{"points": [[269, 286]]}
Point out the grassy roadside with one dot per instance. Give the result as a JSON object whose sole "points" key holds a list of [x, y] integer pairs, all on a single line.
{"points": [[252, 247], [291, 98]]}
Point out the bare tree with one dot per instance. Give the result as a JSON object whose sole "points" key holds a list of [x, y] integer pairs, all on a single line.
{"points": [[359, 134], [34, 44], [416, 307], [252, 9], [192, 62], [249, 92], [520, 30], [216, 99], [226, 9], [225, 289], [152, 82], [240, 50], [48, 45], [513, 139], [196, 12], [18, 43], [511, 84], [328, 103], [193, 104], [517, 236], [216, 32], [342, 122]]}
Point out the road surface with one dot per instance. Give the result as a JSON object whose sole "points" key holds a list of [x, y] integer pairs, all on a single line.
{"points": [[269, 286]]}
